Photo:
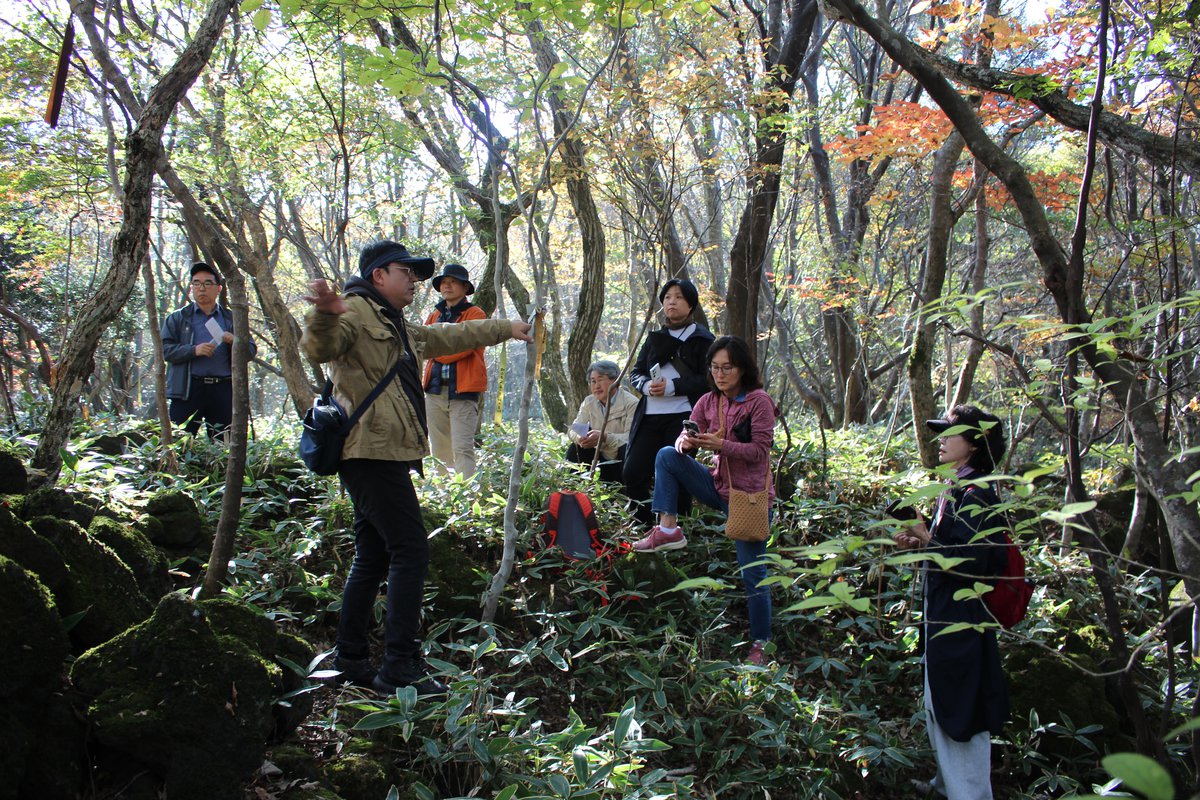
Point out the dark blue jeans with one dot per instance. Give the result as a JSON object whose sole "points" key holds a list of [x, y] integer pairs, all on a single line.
{"points": [[389, 542], [675, 472]]}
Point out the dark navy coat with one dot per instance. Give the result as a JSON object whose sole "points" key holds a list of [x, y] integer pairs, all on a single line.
{"points": [[966, 681]]}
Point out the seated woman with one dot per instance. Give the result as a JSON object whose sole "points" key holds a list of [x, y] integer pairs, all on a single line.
{"points": [[669, 373], [607, 398], [736, 420]]}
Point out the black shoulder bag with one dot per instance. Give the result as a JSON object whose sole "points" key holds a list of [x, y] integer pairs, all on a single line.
{"points": [[326, 427]]}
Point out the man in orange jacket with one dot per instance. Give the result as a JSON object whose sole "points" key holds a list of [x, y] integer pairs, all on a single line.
{"points": [[454, 384]]}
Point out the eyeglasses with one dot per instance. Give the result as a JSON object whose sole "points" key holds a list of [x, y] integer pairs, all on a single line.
{"points": [[412, 275], [204, 284], [721, 369]]}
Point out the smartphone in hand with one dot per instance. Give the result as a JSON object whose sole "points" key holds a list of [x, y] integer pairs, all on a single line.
{"points": [[691, 427], [896, 511]]}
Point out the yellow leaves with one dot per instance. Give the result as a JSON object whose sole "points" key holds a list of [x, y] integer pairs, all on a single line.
{"points": [[1005, 34]]}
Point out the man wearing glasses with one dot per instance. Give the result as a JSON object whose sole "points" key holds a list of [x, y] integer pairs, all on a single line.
{"points": [[196, 342], [363, 336]]}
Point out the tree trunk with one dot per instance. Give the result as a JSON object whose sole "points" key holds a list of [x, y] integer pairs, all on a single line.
{"points": [[920, 359], [142, 149], [590, 304], [166, 435], [784, 52], [983, 246], [235, 463]]}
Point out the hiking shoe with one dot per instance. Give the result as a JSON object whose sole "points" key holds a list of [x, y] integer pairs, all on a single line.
{"points": [[756, 657], [657, 540], [416, 676], [355, 671]]}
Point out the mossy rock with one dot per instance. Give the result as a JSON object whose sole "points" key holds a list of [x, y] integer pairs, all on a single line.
{"points": [[192, 705], [109, 444], [19, 542], [453, 576], [49, 501], [294, 710], [359, 774], [181, 527], [145, 561], [55, 761], [14, 479], [294, 761], [33, 652], [1061, 691], [101, 588], [648, 575], [33, 641]]}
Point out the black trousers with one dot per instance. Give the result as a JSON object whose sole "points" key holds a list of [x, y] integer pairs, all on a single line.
{"points": [[654, 432], [609, 470], [210, 402], [389, 542]]}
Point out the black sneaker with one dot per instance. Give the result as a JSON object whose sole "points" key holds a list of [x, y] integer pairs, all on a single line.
{"points": [[355, 671], [416, 676]]}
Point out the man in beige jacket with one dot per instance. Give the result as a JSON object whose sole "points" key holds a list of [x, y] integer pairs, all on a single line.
{"points": [[362, 335]]}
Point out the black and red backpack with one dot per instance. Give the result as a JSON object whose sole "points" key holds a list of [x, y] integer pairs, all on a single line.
{"points": [[571, 526], [570, 523], [1008, 601]]}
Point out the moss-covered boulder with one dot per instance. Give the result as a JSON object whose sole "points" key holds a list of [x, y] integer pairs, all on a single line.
{"points": [[146, 562], [181, 528], [359, 774], [1061, 688], [50, 501], [41, 736], [33, 641], [110, 444], [454, 575], [19, 542], [185, 697], [14, 479], [101, 590]]}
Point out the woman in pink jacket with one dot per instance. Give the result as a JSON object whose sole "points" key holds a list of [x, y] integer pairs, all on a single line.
{"points": [[736, 420]]}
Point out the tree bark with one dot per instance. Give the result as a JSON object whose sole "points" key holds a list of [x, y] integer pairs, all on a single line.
{"points": [[142, 149], [235, 464], [920, 358], [786, 40], [590, 304]]}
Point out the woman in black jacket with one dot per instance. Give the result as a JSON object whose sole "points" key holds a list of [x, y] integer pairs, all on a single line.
{"points": [[671, 373], [966, 697]]}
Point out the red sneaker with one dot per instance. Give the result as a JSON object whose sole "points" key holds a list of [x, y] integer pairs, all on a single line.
{"points": [[657, 540], [756, 657]]}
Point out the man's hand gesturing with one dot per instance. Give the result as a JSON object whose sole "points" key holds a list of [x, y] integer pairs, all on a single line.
{"points": [[324, 299]]}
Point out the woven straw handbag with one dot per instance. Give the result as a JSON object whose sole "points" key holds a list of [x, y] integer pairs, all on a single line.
{"points": [[749, 517]]}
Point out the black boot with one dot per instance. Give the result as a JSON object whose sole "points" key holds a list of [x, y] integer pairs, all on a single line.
{"points": [[414, 673], [355, 671]]}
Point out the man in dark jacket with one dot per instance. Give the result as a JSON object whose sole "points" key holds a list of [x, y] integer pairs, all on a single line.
{"points": [[197, 346]]}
